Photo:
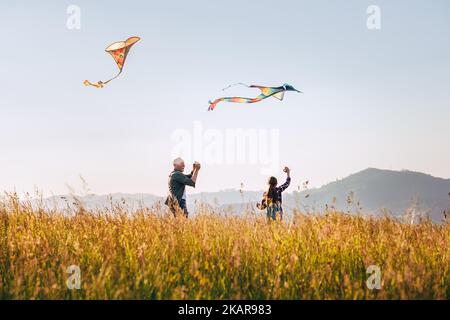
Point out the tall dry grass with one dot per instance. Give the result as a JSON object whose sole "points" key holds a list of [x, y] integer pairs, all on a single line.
{"points": [[150, 255]]}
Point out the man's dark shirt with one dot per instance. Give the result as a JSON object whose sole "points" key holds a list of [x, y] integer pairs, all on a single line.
{"points": [[177, 185]]}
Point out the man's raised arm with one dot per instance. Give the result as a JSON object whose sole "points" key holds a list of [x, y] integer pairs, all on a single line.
{"points": [[197, 167]]}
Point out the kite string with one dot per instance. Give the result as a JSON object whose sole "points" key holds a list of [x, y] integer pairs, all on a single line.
{"points": [[236, 84]]}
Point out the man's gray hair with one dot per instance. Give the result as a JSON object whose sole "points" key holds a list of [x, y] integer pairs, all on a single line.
{"points": [[177, 161]]}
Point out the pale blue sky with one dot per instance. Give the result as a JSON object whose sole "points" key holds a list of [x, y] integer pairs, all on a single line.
{"points": [[371, 98]]}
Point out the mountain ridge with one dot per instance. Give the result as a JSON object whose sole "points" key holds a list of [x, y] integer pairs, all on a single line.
{"points": [[371, 190]]}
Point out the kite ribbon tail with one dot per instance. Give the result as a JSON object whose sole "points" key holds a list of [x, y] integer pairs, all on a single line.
{"points": [[100, 84], [97, 85], [113, 77], [212, 104]]}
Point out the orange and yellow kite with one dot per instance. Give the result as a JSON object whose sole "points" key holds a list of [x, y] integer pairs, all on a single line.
{"points": [[119, 51]]}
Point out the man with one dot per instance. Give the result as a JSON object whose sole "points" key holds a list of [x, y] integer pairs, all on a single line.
{"points": [[177, 186]]}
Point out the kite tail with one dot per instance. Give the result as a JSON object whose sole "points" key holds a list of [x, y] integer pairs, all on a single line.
{"points": [[235, 100], [113, 77], [212, 104], [100, 84]]}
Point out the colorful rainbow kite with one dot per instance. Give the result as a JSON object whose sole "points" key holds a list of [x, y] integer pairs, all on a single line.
{"points": [[266, 92], [119, 51]]}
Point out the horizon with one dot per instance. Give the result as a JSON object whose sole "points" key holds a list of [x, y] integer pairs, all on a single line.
{"points": [[372, 97], [192, 192]]}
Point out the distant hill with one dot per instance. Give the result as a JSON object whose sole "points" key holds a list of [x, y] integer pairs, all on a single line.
{"points": [[377, 189], [368, 191]]}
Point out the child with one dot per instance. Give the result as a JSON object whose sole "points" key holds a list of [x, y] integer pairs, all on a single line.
{"points": [[272, 199]]}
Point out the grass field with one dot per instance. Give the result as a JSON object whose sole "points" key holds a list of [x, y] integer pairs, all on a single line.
{"points": [[150, 255]]}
